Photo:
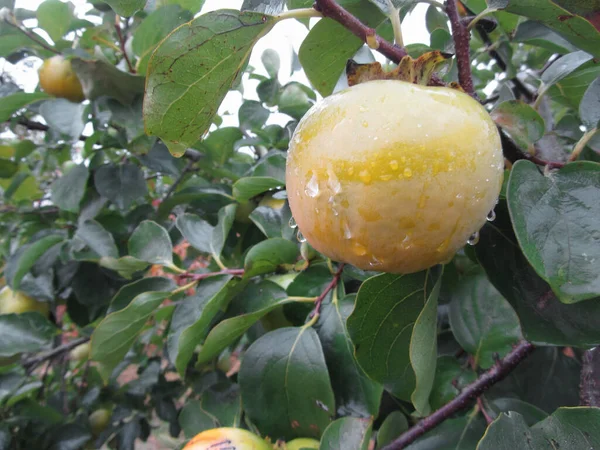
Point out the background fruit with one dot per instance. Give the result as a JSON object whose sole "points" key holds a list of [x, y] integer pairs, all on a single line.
{"points": [[227, 438], [12, 302], [392, 176], [58, 78], [99, 420], [302, 443], [242, 213], [81, 352]]}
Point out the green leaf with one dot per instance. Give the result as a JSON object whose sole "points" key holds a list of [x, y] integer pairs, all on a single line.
{"points": [[252, 115], [69, 189], [14, 102], [151, 243], [565, 428], [482, 321], [450, 378], [192, 318], [220, 144], [325, 51], [196, 231], [254, 302], [520, 120], [288, 365], [183, 90], [8, 168], [576, 29], [570, 90], [97, 239], [268, 255], [100, 78], [544, 319], [55, 18], [116, 333], [393, 426], [347, 433], [395, 342], [532, 414], [122, 184], [29, 256], [555, 218], [589, 109], [125, 8], [462, 433], [246, 188], [26, 332], [221, 231], [564, 66], [270, 59], [153, 29], [128, 292], [355, 394], [295, 100], [194, 6], [125, 266], [273, 218]]}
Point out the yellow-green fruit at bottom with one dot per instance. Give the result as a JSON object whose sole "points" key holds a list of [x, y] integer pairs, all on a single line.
{"points": [[81, 352], [227, 439], [12, 302], [302, 443], [392, 176], [99, 420]]}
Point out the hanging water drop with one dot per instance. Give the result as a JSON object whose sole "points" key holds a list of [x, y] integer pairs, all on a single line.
{"points": [[300, 237], [292, 223], [491, 216], [473, 239]]}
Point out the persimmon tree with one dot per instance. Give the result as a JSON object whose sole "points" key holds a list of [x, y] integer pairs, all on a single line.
{"points": [[180, 295]]}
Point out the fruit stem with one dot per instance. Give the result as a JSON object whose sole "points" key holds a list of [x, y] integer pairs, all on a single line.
{"points": [[184, 288], [582, 143], [332, 284], [461, 37], [301, 13]]}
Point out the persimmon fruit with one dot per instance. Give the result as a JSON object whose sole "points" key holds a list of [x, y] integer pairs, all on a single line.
{"points": [[302, 443], [57, 78], [14, 302], [392, 176], [227, 439]]}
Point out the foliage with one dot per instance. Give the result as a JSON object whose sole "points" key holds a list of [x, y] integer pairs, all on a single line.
{"points": [[164, 236]]}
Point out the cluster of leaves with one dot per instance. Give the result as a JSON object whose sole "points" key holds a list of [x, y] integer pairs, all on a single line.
{"points": [[190, 282]]}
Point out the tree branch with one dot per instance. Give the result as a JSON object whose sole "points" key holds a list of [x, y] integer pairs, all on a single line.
{"points": [[32, 36], [332, 284], [37, 126], [461, 37], [589, 393], [36, 360], [513, 153], [179, 179], [122, 45], [202, 276], [486, 380]]}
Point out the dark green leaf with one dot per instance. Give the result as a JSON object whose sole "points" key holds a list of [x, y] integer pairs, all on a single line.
{"points": [[64, 117], [220, 144], [555, 217], [288, 365], [69, 189], [122, 184], [393, 426], [125, 266], [347, 433], [295, 100], [252, 115], [126, 8], [7, 168], [151, 243], [192, 318], [128, 292], [450, 378], [12, 103], [564, 66], [395, 342], [268, 255], [97, 239], [520, 120], [355, 394], [589, 109], [246, 188], [26, 332], [183, 90], [462, 433], [197, 231], [221, 231], [29, 256]]}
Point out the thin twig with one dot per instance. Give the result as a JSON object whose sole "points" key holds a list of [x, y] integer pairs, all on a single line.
{"points": [[461, 37], [179, 179], [32, 36], [122, 45], [488, 419], [332, 284], [202, 276], [37, 126], [486, 380], [36, 360], [513, 153]]}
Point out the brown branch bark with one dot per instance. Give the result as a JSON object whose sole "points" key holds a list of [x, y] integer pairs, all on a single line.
{"points": [[36, 360], [461, 37], [590, 378], [122, 45], [486, 380]]}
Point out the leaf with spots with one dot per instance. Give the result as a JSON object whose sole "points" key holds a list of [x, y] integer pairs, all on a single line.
{"points": [[192, 70]]}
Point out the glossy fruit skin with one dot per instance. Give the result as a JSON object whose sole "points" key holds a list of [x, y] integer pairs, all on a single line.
{"points": [[57, 78], [12, 302], [392, 176], [227, 439], [301, 443], [99, 420]]}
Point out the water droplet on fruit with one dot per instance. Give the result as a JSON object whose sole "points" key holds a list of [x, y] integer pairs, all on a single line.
{"points": [[359, 249], [375, 262], [365, 124], [407, 172], [300, 237], [347, 231], [473, 239], [365, 176], [443, 246], [333, 183], [491, 216], [312, 187], [394, 165], [292, 223]]}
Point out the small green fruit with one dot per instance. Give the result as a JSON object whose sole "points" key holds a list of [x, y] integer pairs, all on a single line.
{"points": [[302, 443]]}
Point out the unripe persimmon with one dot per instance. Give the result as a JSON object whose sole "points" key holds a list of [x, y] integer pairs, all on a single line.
{"points": [[393, 176], [227, 439], [302, 443], [99, 420], [57, 78], [12, 302]]}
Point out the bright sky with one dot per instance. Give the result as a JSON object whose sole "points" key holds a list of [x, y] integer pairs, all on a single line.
{"points": [[283, 38]]}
